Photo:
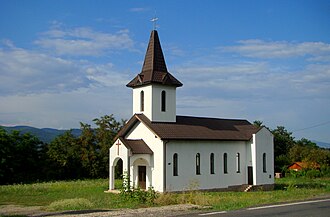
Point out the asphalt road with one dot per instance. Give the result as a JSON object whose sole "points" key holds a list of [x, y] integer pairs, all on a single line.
{"points": [[317, 208]]}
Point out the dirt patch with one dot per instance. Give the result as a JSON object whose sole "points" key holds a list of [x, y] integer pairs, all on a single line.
{"points": [[36, 211], [20, 210]]}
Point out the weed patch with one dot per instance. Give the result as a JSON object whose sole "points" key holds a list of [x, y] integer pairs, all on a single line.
{"points": [[70, 204]]}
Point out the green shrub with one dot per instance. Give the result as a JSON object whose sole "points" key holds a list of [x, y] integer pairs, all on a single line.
{"points": [[313, 174], [325, 171], [136, 194]]}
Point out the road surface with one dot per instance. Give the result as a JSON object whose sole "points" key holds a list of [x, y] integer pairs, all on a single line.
{"points": [[317, 208]]}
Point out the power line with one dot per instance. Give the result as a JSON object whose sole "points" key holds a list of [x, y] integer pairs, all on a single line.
{"points": [[314, 126]]}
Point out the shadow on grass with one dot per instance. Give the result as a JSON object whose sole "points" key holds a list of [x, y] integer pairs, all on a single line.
{"points": [[74, 212], [13, 216]]}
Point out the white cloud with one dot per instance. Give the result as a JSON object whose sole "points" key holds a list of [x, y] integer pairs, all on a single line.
{"points": [[26, 72], [30, 72], [83, 41], [279, 49], [100, 74], [65, 110], [139, 9]]}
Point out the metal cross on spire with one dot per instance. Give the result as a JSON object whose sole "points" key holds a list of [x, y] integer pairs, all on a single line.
{"points": [[154, 20]]}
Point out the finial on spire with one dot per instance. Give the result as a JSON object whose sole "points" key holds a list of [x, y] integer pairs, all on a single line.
{"points": [[154, 20]]}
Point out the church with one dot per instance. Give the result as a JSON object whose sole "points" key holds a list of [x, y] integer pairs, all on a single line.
{"points": [[174, 153]]}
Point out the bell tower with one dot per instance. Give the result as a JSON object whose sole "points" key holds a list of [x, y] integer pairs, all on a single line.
{"points": [[154, 89]]}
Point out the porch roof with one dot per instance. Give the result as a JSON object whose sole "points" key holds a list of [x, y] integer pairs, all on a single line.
{"points": [[137, 146]]}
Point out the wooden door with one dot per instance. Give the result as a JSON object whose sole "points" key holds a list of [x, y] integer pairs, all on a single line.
{"points": [[142, 176], [250, 175]]}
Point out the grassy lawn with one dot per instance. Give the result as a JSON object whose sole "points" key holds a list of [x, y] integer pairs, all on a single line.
{"points": [[89, 194], [63, 195]]}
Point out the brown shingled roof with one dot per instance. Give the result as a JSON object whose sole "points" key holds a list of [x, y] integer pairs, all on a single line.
{"points": [[137, 146], [196, 128], [154, 68]]}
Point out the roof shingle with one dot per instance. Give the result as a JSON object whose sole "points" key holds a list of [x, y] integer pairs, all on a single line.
{"points": [[137, 146], [196, 128], [154, 68]]}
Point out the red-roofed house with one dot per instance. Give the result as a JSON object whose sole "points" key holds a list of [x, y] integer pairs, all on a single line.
{"points": [[297, 166], [170, 152]]}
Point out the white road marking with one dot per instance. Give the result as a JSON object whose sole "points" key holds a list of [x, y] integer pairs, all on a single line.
{"points": [[288, 204], [212, 213]]}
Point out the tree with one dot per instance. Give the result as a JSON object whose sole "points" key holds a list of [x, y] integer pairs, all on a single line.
{"points": [[306, 143], [283, 141], [20, 157], [89, 151], [64, 157], [107, 129], [88, 155], [258, 123]]}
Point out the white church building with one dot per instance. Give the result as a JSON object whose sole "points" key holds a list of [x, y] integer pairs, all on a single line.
{"points": [[169, 152]]}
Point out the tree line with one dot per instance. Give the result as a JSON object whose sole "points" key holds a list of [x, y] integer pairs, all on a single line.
{"points": [[287, 150], [24, 158]]}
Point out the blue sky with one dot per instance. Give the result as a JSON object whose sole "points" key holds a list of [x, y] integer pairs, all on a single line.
{"points": [[62, 62]]}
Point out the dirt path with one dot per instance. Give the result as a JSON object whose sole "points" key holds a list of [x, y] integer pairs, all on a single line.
{"points": [[36, 211]]}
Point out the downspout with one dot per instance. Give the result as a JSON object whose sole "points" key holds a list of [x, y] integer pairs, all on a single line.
{"points": [[164, 165]]}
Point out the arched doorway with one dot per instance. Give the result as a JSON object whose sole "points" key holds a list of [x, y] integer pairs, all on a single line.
{"points": [[141, 173], [118, 174], [119, 169]]}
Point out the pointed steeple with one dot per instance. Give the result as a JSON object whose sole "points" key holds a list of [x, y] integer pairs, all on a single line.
{"points": [[154, 59], [154, 68]]}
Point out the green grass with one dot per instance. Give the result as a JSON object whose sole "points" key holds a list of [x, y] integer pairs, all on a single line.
{"points": [[54, 195], [89, 194]]}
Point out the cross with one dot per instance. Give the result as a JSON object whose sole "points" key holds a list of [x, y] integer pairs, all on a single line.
{"points": [[154, 20], [118, 144]]}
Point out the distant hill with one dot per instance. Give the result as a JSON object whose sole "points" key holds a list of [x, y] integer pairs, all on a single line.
{"points": [[45, 134], [322, 144]]}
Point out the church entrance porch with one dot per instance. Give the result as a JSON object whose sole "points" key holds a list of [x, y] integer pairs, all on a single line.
{"points": [[141, 172]]}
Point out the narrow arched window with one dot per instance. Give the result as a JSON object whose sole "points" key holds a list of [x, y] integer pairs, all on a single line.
{"points": [[225, 166], [264, 165], [163, 105], [238, 163], [142, 101], [212, 163], [175, 164], [198, 164]]}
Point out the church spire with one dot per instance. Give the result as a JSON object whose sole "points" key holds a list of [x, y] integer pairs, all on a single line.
{"points": [[154, 58], [154, 68]]}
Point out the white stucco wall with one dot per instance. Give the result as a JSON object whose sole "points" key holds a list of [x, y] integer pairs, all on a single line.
{"points": [[170, 113], [263, 143], [152, 102], [114, 157], [156, 160], [187, 177], [147, 100]]}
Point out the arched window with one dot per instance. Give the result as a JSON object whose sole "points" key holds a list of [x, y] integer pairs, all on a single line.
{"points": [[198, 164], [142, 101], [225, 166], [264, 165], [175, 164], [163, 105], [238, 163], [212, 163]]}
